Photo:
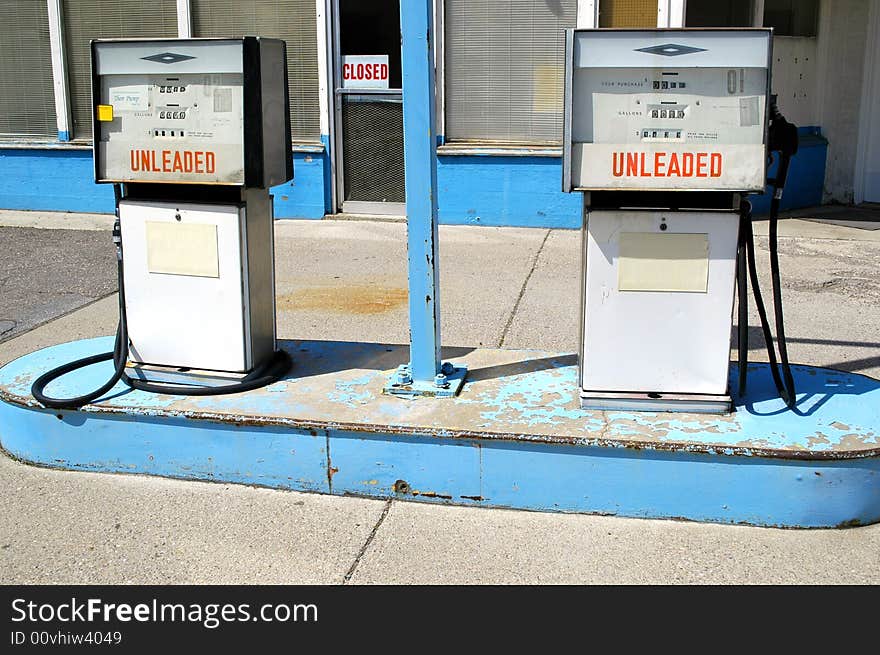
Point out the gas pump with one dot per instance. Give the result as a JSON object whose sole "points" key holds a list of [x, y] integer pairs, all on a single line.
{"points": [[666, 132], [192, 133]]}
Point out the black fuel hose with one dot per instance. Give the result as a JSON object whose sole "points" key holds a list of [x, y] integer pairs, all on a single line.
{"points": [[783, 139], [118, 355], [271, 371], [782, 376]]}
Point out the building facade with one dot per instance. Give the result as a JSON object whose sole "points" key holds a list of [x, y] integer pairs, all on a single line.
{"points": [[499, 97]]}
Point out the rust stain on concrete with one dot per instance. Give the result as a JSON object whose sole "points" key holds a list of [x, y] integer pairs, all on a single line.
{"points": [[353, 299]]}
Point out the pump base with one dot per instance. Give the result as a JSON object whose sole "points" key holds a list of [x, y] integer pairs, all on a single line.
{"points": [[514, 437], [183, 376], [694, 403]]}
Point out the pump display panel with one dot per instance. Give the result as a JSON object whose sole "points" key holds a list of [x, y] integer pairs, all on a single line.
{"points": [[196, 111], [666, 110]]}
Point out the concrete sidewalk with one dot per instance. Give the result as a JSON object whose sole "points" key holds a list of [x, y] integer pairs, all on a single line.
{"points": [[505, 287]]}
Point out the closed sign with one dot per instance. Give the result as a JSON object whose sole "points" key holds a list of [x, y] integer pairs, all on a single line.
{"points": [[365, 72]]}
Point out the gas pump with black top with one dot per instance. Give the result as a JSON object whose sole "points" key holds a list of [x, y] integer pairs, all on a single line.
{"points": [[666, 132], [191, 133]]}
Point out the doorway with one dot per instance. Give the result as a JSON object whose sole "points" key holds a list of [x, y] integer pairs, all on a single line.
{"points": [[368, 109]]}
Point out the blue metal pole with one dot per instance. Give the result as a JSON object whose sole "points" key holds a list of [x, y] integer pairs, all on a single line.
{"points": [[420, 159], [425, 375]]}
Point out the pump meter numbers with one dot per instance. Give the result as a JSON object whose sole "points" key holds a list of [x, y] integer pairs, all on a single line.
{"points": [[665, 84], [667, 112]]}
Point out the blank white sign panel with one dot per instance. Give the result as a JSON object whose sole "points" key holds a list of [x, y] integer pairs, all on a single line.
{"points": [[658, 301], [182, 248], [663, 262], [191, 314]]}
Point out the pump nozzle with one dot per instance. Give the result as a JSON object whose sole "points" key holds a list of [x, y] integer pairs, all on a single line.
{"points": [[782, 138]]}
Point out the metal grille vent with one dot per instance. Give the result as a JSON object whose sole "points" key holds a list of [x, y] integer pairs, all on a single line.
{"points": [[373, 149]]}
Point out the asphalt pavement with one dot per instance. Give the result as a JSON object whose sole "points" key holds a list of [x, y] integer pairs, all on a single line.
{"points": [[45, 273]]}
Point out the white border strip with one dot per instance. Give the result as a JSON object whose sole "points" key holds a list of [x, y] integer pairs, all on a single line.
{"points": [[867, 111], [670, 13], [59, 72], [184, 19], [440, 67], [758, 13], [587, 14], [322, 13]]}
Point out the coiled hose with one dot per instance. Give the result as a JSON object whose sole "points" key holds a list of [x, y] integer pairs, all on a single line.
{"points": [[271, 371]]}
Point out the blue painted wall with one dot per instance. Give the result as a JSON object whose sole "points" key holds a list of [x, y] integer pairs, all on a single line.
{"points": [[492, 190], [473, 190], [55, 180], [307, 195], [63, 180]]}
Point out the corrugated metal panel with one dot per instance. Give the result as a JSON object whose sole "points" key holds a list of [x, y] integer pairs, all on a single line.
{"points": [[628, 13], [291, 20], [27, 102], [85, 20], [504, 69]]}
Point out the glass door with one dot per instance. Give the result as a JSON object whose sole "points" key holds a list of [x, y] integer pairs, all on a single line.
{"points": [[369, 107]]}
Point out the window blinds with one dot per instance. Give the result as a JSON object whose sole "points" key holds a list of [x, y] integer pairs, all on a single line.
{"points": [[27, 101], [291, 20], [504, 69], [85, 20]]}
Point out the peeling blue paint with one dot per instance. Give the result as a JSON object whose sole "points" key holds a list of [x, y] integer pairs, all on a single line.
{"points": [[346, 391], [541, 397], [517, 439]]}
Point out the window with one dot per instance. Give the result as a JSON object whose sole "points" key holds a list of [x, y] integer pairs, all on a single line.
{"points": [[27, 102], [85, 20], [291, 20], [792, 17], [718, 13], [505, 61], [627, 13]]}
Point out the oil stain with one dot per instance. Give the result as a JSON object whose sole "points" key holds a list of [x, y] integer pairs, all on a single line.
{"points": [[357, 299]]}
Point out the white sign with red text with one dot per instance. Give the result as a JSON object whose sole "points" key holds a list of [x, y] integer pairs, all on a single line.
{"points": [[365, 72], [668, 166]]}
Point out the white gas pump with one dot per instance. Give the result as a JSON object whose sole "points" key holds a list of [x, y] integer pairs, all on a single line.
{"points": [[191, 133], [665, 131]]}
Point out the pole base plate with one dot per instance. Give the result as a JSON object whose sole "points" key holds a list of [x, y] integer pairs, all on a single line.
{"points": [[401, 383]]}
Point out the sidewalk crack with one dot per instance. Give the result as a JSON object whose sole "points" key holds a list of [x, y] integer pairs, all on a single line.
{"points": [[522, 291], [357, 560]]}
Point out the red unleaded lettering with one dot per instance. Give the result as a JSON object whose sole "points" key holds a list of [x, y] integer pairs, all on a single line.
{"points": [[202, 162], [666, 164]]}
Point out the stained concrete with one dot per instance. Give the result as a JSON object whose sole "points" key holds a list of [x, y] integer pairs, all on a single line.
{"points": [[518, 286]]}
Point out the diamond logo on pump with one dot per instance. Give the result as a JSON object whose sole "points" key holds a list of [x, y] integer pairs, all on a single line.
{"points": [[168, 58], [670, 49]]}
